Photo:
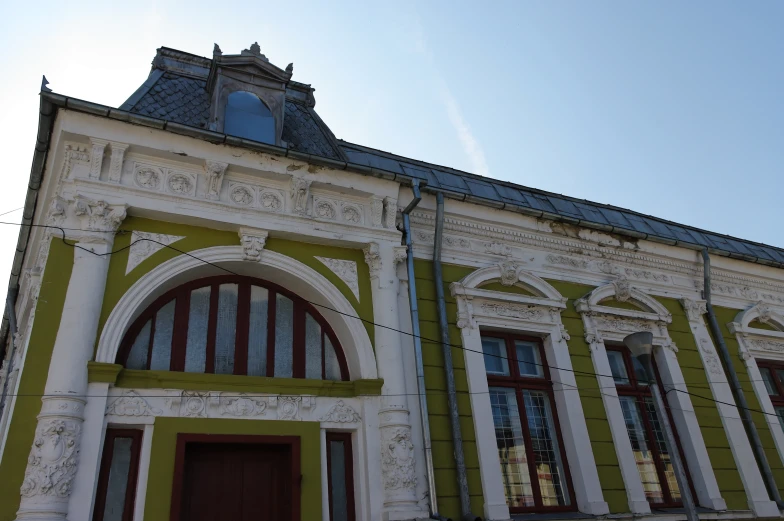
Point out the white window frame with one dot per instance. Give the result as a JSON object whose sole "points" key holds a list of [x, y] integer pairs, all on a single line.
{"points": [[605, 323], [533, 315]]}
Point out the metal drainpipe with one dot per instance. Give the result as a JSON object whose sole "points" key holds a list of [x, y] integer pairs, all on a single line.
{"points": [[457, 437], [9, 308], [737, 391], [420, 367]]}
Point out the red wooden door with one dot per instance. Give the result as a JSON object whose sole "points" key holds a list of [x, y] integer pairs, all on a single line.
{"points": [[236, 482]]}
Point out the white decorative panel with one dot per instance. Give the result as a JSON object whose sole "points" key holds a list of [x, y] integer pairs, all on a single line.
{"points": [[346, 270], [144, 244]]}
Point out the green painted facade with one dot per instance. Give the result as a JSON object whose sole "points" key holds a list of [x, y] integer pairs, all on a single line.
{"points": [[33, 376], [49, 308]]}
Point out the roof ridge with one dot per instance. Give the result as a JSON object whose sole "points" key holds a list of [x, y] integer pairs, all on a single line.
{"points": [[145, 87]]}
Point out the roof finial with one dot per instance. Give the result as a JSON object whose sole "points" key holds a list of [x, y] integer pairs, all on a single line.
{"points": [[44, 83], [216, 51], [255, 49], [290, 68]]}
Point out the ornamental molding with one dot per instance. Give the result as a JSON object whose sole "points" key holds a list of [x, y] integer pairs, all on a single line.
{"points": [[710, 358], [341, 413], [131, 404], [99, 216], [602, 323], [145, 244], [53, 459], [346, 270], [240, 405], [376, 211], [373, 259], [596, 258], [694, 309], [755, 342], [214, 171], [300, 193], [253, 241], [116, 161], [390, 212], [97, 150], [397, 459], [74, 154], [510, 271]]}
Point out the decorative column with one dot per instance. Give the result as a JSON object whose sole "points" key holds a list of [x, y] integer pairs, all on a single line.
{"points": [[750, 475], [397, 449], [54, 456]]}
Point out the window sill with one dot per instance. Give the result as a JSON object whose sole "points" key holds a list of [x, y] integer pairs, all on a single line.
{"points": [[135, 379]]}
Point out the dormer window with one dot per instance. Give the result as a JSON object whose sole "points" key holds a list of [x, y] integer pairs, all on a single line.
{"points": [[248, 117]]}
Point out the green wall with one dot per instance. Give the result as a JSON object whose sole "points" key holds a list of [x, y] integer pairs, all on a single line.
{"points": [[197, 238], [435, 383], [164, 442], [724, 316], [33, 377]]}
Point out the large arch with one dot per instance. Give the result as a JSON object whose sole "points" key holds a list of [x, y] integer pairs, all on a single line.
{"points": [[286, 271]]}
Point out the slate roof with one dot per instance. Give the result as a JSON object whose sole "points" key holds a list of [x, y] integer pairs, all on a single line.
{"points": [[183, 99]]}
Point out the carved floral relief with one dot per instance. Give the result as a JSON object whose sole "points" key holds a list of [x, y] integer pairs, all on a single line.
{"points": [[51, 465], [397, 459]]}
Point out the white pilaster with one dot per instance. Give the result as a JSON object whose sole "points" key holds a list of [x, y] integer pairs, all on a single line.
{"points": [[397, 448], [55, 454], [750, 475], [116, 164]]}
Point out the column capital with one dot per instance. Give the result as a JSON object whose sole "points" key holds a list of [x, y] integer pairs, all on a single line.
{"points": [[694, 309]]}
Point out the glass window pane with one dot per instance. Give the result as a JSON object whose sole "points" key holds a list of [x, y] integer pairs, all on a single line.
{"points": [[661, 445], [643, 455], [284, 337], [331, 365], [780, 414], [547, 453], [247, 116], [162, 338], [617, 367], [528, 359], [118, 480], [337, 476], [226, 330], [257, 335], [639, 372], [495, 356], [511, 448], [312, 348], [137, 357], [198, 318], [769, 383], [780, 375]]}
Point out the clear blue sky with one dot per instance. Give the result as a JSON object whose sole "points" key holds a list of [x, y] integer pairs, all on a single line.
{"points": [[675, 109]]}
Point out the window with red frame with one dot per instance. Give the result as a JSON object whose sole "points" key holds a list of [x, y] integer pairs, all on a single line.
{"points": [[340, 476], [645, 431], [234, 325], [116, 493], [533, 464], [773, 376]]}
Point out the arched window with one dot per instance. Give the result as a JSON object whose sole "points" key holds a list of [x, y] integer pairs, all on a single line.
{"points": [[248, 117], [234, 325]]}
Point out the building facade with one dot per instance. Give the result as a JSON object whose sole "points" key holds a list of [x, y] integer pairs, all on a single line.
{"points": [[214, 314]]}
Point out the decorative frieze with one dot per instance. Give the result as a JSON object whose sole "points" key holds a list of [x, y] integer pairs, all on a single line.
{"points": [[214, 171], [116, 163], [131, 404], [98, 147], [341, 413], [241, 405], [346, 271], [181, 183], [300, 192], [512, 310], [144, 244]]}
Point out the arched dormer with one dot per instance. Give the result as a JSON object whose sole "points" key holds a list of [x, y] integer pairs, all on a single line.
{"points": [[248, 117], [758, 319]]}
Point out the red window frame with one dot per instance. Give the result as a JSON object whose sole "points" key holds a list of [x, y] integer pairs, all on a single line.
{"points": [[640, 392], [348, 463], [182, 314], [778, 399], [106, 465], [518, 383]]}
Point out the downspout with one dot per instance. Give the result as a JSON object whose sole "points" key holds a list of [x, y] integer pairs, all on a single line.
{"points": [[454, 418], [737, 391], [10, 301], [420, 367]]}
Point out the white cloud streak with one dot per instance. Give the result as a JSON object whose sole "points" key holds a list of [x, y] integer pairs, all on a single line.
{"points": [[470, 145]]}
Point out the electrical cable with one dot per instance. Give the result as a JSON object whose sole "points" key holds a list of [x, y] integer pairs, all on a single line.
{"points": [[424, 339]]}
